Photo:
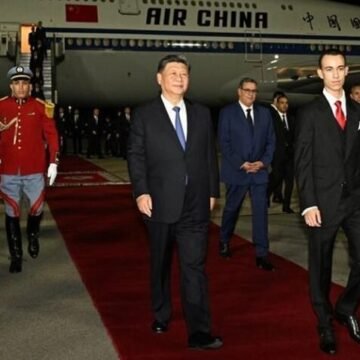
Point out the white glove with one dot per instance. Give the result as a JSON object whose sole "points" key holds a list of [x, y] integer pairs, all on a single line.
{"points": [[51, 173]]}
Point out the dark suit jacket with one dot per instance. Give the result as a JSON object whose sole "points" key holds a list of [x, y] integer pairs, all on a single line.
{"points": [[326, 159], [158, 165], [238, 146], [284, 148]]}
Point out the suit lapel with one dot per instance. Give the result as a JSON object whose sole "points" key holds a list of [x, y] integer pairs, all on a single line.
{"points": [[190, 124], [168, 126], [352, 127], [326, 115]]}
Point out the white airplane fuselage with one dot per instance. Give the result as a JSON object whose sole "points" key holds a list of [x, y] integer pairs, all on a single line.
{"points": [[111, 48]]}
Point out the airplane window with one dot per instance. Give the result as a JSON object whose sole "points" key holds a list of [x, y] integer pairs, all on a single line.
{"points": [[115, 42], [201, 3], [283, 7], [231, 5], [158, 43], [149, 43], [123, 42], [222, 45], [88, 42], [161, 2], [193, 3], [230, 45], [247, 5], [145, 2], [208, 4], [214, 45], [97, 42], [216, 4], [153, 2], [291, 7], [177, 2], [254, 6], [224, 4], [79, 42], [106, 42], [140, 43], [185, 3]]}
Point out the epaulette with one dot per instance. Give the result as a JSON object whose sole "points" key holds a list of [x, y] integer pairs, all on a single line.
{"points": [[40, 101], [5, 97], [49, 107]]}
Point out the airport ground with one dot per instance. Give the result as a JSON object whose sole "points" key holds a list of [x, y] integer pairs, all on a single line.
{"points": [[47, 313]]}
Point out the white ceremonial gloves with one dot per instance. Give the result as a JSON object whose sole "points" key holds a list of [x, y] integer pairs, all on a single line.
{"points": [[51, 173]]}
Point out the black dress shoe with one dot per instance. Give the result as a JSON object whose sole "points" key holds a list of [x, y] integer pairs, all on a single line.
{"points": [[224, 250], [204, 341], [263, 263], [15, 265], [288, 210], [159, 327], [351, 323], [327, 340]]}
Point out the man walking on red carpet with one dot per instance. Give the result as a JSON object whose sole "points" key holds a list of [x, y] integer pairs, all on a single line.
{"points": [[174, 174], [327, 167], [26, 128]]}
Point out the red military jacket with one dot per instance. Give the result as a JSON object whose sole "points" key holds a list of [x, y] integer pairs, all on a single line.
{"points": [[25, 131]]}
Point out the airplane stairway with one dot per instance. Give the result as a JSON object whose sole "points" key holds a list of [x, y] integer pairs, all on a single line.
{"points": [[47, 87]]}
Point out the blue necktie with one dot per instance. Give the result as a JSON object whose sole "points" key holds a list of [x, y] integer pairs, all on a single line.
{"points": [[178, 128], [249, 120]]}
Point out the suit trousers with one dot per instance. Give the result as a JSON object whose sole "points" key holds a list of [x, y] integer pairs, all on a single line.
{"points": [[235, 195], [191, 238], [321, 244], [282, 171]]}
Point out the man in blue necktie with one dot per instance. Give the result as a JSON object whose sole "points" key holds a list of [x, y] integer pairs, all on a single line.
{"points": [[174, 174]]}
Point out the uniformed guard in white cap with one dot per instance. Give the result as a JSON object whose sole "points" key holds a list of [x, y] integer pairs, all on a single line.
{"points": [[26, 125]]}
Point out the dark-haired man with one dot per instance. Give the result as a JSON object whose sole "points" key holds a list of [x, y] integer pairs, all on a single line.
{"points": [[327, 169], [174, 174], [247, 142], [282, 166], [355, 93]]}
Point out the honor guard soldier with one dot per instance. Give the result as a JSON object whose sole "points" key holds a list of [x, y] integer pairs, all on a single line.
{"points": [[27, 130]]}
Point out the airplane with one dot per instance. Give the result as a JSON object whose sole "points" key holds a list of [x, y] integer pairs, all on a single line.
{"points": [[106, 52]]}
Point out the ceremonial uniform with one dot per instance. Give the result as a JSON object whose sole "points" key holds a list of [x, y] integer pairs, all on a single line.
{"points": [[27, 133]]}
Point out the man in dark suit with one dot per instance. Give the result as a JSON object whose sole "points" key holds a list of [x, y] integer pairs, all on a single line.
{"points": [[174, 174], [282, 166], [77, 130], [247, 143], [327, 169], [95, 129]]}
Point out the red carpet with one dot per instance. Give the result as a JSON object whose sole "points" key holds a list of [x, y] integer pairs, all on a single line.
{"points": [[260, 315]]}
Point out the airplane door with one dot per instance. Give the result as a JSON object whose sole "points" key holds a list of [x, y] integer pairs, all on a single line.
{"points": [[253, 46], [129, 7], [24, 33]]}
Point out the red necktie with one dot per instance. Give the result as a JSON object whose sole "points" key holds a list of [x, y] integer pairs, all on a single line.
{"points": [[339, 114]]}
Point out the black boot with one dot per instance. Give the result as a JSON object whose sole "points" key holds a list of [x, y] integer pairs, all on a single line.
{"points": [[13, 233], [32, 231]]}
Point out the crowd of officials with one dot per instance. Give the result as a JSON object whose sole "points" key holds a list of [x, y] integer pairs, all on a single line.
{"points": [[93, 133]]}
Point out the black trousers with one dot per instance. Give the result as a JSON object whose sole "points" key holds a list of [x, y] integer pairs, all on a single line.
{"points": [[191, 238], [321, 245], [282, 171]]}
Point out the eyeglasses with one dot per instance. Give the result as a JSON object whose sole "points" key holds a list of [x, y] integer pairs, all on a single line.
{"points": [[250, 91]]}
